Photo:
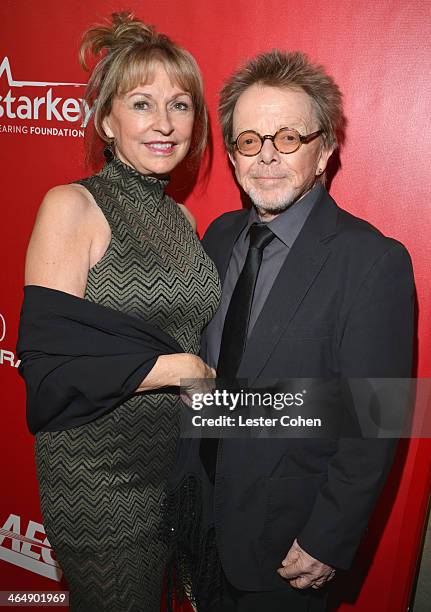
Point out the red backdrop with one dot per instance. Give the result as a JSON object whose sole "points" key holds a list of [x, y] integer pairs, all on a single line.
{"points": [[377, 52]]}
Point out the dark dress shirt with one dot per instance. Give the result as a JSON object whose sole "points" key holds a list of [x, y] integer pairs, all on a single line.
{"points": [[286, 227]]}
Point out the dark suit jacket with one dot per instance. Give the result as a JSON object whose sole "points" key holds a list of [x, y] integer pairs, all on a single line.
{"points": [[342, 305]]}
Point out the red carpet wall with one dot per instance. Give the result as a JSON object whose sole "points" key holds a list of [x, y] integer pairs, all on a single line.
{"points": [[378, 52]]}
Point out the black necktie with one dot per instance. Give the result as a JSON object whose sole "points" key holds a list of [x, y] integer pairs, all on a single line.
{"points": [[237, 318], [235, 328]]}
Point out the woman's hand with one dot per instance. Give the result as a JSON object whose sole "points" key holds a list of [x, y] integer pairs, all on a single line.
{"points": [[202, 381], [180, 370]]}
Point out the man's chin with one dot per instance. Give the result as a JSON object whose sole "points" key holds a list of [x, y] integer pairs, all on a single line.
{"points": [[273, 206]]}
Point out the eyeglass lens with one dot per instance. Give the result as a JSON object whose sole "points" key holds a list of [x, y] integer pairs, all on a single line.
{"points": [[285, 141]]}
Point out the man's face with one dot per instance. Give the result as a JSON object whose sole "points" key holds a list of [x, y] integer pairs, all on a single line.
{"points": [[275, 180]]}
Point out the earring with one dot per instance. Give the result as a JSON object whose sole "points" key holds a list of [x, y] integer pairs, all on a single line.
{"points": [[109, 150]]}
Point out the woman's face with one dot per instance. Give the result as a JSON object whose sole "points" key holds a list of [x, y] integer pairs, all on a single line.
{"points": [[152, 124]]}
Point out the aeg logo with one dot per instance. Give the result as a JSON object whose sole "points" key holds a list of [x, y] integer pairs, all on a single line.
{"points": [[6, 356], [46, 107], [31, 551]]}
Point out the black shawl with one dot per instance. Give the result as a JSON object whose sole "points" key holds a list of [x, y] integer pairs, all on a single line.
{"points": [[81, 360]]}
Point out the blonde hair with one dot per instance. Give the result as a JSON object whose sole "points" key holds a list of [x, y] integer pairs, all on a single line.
{"points": [[125, 52], [291, 70]]}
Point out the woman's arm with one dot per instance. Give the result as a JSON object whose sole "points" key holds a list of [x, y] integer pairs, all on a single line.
{"points": [[175, 370], [68, 231]]}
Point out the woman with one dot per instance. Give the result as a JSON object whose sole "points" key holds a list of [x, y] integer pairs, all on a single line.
{"points": [[118, 291]]}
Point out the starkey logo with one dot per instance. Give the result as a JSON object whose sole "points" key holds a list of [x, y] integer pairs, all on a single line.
{"points": [[51, 103], [28, 548], [6, 357]]}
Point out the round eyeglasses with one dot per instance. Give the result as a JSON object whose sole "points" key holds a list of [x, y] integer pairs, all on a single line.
{"points": [[286, 140]]}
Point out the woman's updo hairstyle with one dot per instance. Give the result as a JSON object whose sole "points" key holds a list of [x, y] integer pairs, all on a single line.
{"points": [[120, 56]]}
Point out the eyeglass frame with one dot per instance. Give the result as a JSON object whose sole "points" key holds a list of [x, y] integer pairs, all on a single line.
{"points": [[302, 140]]}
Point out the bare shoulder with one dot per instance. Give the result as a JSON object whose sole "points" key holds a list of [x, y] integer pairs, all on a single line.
{"points": [[190, 218], [59, 252], [70, 210], [67, 202]]}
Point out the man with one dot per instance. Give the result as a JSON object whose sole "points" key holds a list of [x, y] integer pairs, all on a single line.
{"points": [[308, 291]]}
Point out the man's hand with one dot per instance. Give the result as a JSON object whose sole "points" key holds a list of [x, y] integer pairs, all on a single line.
{"points": [[303, 571]]}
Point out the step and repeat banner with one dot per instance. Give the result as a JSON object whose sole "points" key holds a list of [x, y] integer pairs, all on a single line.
{"points": [[378, 53]]}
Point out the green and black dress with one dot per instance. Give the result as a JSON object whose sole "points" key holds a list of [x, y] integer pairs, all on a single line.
{"points": [[103, 483]]}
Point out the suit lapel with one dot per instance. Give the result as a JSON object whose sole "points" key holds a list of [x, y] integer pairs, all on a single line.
{"points": [[220, 249], [302, 265]]}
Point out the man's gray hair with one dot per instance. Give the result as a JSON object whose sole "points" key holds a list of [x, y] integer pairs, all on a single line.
{"points": [[291, 70]]}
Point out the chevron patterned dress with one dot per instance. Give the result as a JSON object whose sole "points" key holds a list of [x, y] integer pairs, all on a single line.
{"points": [[102, 485]]}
